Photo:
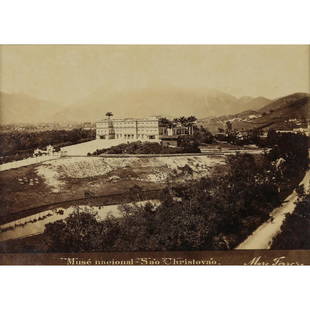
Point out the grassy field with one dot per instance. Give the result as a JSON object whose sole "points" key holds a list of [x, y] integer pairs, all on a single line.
{"points": [[21, 188]]}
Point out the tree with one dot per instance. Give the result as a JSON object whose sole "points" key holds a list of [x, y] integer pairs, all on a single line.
{"points": [[77, 233], [109, 114], [187, 122], [203, 135], [191, 119], [229, 126], [189, 144], [166, 122]]}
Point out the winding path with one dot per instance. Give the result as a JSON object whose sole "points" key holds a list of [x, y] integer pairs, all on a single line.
{"points": [[262, 237]]}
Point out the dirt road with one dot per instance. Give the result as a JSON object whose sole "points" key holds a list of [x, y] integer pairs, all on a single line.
{"points": [[262, 237]]}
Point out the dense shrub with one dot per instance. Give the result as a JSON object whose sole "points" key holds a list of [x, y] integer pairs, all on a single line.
{"points": [[291, 147], [146, 148], [203, 135]]}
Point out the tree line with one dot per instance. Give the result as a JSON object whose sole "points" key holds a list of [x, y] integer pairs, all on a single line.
{"points": [[17, 145], [181, 121]]}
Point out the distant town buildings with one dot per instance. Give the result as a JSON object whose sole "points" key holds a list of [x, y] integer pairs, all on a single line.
{"points": [[88, 126], [220, 126]]}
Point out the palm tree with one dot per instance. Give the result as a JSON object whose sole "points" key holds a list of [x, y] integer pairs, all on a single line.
{"points": [[183, 121], [192, 119], [109, 114], [165, 122]]}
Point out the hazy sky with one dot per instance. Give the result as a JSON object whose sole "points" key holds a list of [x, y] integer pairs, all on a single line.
{"points": [[69, 73]]}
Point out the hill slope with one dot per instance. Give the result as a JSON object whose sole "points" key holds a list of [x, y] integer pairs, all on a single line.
{"points": [[280, 111], [275, 114], [296, 101]]}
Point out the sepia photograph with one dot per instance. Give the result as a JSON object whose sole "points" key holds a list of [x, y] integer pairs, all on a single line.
{"points": [[154, 154]]}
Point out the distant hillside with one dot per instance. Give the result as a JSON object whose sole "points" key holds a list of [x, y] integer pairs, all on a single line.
{"points": [[243, 115], [21, 108], [275, 114], [298, 100], [257, 103], [278, 113]]}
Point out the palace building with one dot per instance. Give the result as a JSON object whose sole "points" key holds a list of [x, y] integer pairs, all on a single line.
{"points": [[129, 129], [143, 129]]}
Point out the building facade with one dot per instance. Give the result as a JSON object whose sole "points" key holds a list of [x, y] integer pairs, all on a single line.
{"points": [[145, 129], [128, 129]]}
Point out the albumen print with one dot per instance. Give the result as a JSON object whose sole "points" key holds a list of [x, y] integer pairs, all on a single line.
{"points": [[154, 154]]}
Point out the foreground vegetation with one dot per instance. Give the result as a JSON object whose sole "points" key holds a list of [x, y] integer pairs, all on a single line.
{"points": [[18, 145], [295, 232], [209, 214]]}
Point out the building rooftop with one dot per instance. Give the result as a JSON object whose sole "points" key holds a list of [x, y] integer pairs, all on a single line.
{"points": [[151, 118]]}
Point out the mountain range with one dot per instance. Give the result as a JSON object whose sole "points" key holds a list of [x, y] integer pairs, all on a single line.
{"points": [[211, 105], [22, 108]]}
